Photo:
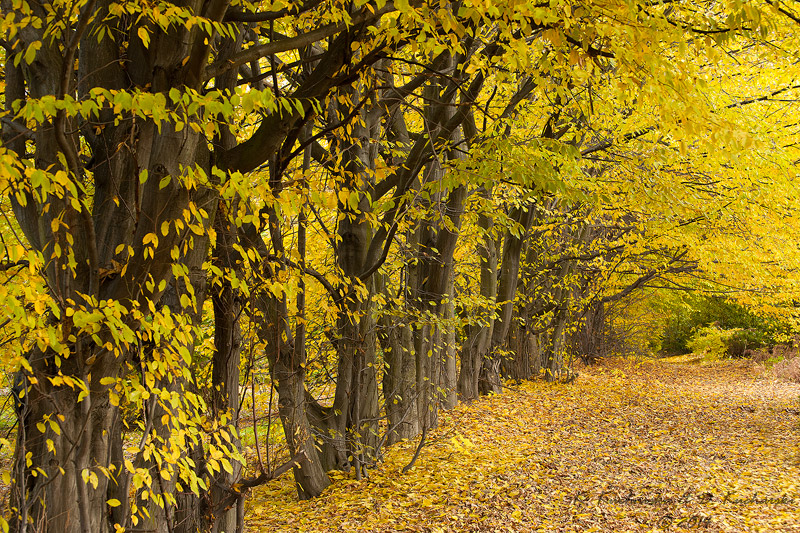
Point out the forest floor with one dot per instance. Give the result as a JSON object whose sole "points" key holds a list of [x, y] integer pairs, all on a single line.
{"points": [[628, 446]]}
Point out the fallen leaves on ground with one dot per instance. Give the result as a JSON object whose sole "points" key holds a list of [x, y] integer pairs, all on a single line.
{"points": [[626, 447]]}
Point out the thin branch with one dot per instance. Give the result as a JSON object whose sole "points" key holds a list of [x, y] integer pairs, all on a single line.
{"points": [[345, 121], [19, 128], [12, 264], [762, 98], [410, 465], [311, 272], [591, 51], [625, 138], [787, 13]]}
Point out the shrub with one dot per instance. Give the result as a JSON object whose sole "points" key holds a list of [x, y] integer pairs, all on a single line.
{"points": [[788, 369], [743, 341], [693, 314], [712, 341]]}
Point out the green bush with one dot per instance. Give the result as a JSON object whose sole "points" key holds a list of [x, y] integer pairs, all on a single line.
{"points": [[687, 322], [712, 341], [746, 339]]}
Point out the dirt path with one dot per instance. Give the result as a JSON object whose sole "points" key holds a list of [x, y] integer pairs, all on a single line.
{"points": [[625, 447], [730, 381]]}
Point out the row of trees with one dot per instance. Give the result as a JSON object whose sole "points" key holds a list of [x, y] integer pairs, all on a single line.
{"points": [[396, 203]]}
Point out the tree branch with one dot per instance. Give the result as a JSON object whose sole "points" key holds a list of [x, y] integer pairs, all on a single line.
{"points": [[198, 56], [234, 494], [293, 43], [762, 98], [243, 16], [625, 138]]}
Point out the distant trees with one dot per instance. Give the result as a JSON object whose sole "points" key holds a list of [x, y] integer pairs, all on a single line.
{"points": [[397, 203]]}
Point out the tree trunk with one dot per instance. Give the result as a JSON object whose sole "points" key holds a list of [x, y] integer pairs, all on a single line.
{"points": [[506, 291], [399, 379], [348, 431], [592, 335], [167, 508], [288, 368], [56, 463], [449, 382], [478, 332], [225, 363], [288, 372]]}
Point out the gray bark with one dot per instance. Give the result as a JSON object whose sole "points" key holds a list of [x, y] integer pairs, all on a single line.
{"points": [[506, 292], [399, 379], [478, 333], [225, 362]]}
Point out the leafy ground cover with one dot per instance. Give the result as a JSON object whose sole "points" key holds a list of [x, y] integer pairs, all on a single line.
{"points": [[625, 447]]}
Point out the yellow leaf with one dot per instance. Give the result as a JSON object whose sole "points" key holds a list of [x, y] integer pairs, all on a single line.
{"points": [[144, 35]]}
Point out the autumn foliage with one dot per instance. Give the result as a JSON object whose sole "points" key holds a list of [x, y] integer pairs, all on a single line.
{"points": [[241, 239]]}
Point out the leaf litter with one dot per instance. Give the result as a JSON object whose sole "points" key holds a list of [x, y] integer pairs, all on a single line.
{"points": [[628, 446]]}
